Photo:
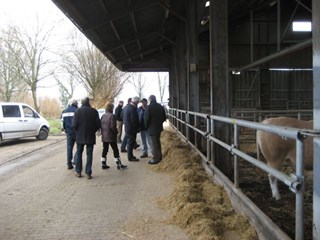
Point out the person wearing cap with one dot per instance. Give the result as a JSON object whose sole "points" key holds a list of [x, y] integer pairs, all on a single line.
{"points": [[131, 126], [86, 123], [66, 120], [143, 131], [154, 117]]}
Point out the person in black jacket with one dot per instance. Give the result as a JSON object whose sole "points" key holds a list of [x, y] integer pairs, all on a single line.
{"points": [[145, 139], [86, 122], [131, 126], [154, 117], [117, 113], [66, 118]]}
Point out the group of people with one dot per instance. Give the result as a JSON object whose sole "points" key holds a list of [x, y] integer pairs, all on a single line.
{"points": [[82, 124]]}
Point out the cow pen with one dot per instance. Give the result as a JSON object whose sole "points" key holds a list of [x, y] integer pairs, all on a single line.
{"points": [[192, 126]]}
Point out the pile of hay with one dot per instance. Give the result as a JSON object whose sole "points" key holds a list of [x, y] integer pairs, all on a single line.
{"points": [[198, 206]]}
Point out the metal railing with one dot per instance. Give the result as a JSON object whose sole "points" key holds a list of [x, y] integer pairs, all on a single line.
{"points": [[203, 125]]}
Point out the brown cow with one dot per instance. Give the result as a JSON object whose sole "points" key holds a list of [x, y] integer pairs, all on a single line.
{"points": [[278, 150]]}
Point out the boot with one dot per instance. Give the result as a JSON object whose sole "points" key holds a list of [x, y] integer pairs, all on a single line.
{"points": [[104, 163], [119, 163]]}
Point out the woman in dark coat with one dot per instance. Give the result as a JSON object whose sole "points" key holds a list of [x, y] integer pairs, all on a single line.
{"points": [[109, 137]]}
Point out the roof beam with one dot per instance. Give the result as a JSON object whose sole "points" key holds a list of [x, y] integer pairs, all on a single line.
{"points": [[173, 12], [128, 41], [120, 14], [114, 29], [138, 52]]}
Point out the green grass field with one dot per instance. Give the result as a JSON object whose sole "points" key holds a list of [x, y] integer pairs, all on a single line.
{"points": [[55, 126]]}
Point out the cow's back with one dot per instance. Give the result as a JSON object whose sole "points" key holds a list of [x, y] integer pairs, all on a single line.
{"points": [[277, 149]]}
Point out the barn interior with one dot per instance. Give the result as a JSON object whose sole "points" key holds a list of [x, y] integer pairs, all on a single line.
{"points": [[238, 58]]}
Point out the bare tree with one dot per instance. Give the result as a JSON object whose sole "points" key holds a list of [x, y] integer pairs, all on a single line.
{"points": [[139, 84], [162, 84], [101, 79], [31, 57], [66, 87], [11, 85]]}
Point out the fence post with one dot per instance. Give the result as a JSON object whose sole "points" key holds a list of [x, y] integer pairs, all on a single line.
{"points": [[212, 143], [187, 127], [235, 157], [195, 132], [300, 193], [208, 140]]}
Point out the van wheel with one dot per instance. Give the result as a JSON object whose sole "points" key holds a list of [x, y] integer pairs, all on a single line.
{"points": [[43, 134]]}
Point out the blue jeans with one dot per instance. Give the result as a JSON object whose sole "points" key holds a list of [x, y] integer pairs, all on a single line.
{"points": [[144, 141], [71, 140], [80, 148]]}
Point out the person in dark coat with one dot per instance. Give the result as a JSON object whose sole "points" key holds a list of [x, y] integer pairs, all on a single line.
{"points": [[109, 137], [145, 139], [117, 113], [154, 117], [86, 122], [66, 118], [131, 126], [125, 138]]}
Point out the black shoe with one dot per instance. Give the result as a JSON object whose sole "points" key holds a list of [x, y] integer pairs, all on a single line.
{"points": [[144, 156], [123, 150], [105, 166], [152, 161], [70, 167], [120, 165], [78, 175], [89, 176], [133, 159], [136, 146]]}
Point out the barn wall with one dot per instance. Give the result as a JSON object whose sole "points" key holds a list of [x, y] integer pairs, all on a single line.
{"points": [[276, 89]]}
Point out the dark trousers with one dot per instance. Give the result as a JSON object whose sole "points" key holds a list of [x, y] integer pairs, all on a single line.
{"points": [[156, 147], [131, 142], [124, 142], [71, 140], [80, 148], [114, 147]]}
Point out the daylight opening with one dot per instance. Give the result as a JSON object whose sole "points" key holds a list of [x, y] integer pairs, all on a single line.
{"points": [[301, 26]]}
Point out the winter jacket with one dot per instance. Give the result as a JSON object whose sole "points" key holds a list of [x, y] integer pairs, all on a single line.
{"points": [[141, 112], [108, 127], [86, 122], [130, 119], [66, 118], [154, 117], [117, 113]]}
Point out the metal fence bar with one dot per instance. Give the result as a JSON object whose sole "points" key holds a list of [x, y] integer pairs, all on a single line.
{"points": [[294, 182]]}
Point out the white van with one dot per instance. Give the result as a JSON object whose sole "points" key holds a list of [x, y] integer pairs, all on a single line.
{"points": [[19, 120]]}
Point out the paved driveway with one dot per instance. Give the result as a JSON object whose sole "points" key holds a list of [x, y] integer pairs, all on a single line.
{"points": [[41, 199]]}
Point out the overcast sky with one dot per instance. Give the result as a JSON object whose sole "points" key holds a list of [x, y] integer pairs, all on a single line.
{"points": [[26, 12]]}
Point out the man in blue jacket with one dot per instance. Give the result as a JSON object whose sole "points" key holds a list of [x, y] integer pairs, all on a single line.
{"points": [[131, 126], [154, 117], [66, 118], [86, 122]]}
